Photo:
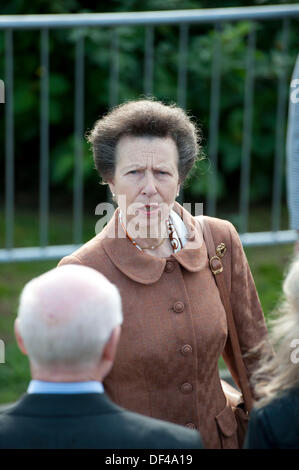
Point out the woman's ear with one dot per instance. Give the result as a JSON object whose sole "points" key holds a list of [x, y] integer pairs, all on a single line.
{"points": [[111, 186]]}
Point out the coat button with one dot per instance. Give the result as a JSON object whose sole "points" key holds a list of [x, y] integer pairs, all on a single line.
{"points": [[179, 306], [190, 425], [186, 349], [186, 388], [169, 266]]}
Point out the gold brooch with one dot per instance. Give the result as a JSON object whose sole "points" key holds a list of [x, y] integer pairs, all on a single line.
{"points": [[221, 250]]}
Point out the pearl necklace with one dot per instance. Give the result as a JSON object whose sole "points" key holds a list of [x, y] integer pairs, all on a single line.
{"points": [[173, 237]]}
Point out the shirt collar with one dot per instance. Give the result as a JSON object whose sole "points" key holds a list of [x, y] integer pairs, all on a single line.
{"points": [[40, 386], [147, 269]]}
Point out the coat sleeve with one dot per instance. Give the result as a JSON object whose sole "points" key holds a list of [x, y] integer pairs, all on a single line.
{"points": [[246, 308]]}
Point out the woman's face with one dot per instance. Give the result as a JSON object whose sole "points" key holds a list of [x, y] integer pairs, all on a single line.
{"points": [[146, 174]]}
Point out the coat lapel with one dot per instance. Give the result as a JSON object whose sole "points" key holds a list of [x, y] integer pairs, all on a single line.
{"points": [[147, 269]]}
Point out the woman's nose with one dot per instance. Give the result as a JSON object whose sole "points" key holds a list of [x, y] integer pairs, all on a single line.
{"points": [[149, 187]]}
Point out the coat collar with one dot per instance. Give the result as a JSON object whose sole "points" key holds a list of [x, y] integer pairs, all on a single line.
{"points": [[77, 404], [147, 269]]}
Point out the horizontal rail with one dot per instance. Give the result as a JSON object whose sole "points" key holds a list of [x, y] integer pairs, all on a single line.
{"points": [[36, 253], [206, 15], [281, 237], [59, 251]]}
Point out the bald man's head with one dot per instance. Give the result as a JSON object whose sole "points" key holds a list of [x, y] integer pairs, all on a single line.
{"points": [[67, 315]]}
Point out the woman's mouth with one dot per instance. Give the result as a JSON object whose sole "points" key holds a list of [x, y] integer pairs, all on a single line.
{"points": [[149, 209]]}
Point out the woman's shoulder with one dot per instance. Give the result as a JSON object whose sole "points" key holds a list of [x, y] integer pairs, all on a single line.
{"points": [[220, 224], [91, 252], [220, 228], [85, 254], [290, 395]]}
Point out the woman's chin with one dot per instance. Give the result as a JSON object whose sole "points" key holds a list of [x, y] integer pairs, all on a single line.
{"points": [[146, 227], [154, 220]]}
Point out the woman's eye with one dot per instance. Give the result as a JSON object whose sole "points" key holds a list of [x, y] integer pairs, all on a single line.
{"points": [[133, 172]]}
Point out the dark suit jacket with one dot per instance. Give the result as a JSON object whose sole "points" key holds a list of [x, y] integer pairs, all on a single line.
{"points": [[276, 425], [86, 421]]}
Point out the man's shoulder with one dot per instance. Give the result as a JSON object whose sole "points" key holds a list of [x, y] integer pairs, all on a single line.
{"points": [[107, 424], [161, 434], [7, 420], [4, 408]]}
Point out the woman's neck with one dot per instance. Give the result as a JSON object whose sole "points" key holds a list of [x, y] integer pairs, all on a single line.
{"points": [[149, 237], [163, 251]]}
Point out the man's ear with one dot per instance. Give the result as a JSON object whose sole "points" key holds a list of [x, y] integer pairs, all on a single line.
{"points": [[111, 345], [19, 337]]}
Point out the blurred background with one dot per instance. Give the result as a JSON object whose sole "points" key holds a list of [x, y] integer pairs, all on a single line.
{"points": [[233, 77]]}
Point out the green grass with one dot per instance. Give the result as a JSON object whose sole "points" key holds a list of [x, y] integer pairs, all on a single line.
{"points": [[268, 265], [26, 233], [14, 373]]}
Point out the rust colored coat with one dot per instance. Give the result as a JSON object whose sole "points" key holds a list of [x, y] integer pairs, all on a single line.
{"points": [[174, 328]]}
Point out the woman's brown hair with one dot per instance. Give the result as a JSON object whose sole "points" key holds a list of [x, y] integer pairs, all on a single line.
{"points": [[144, 118]]}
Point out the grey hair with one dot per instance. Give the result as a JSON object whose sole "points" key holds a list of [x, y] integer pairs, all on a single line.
{"points": [[67, 315], [144, 118], [277, 372]]}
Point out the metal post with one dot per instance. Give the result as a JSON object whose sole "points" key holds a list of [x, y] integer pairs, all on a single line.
{"points": [[149, 60], [114, 70], [79, 131], [182, 79], [9, 142], [182, 65], [247, 132], [214, 123], [280, 130], [44, 139]]}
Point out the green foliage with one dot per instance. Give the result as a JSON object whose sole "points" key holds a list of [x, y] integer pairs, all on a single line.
{"points": [[269, 63], [62, 163]]}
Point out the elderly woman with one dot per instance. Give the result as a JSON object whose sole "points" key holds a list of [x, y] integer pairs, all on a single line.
{"points": [[175, 327]]}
